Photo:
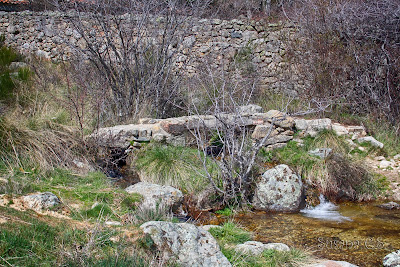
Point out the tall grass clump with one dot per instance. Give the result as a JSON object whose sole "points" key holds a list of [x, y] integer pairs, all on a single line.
{"points": [[176, 166], [145, 214], [230, 233], [34, 131]]}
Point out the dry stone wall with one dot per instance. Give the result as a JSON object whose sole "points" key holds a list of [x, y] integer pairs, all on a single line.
{"points": [[219, 42]]}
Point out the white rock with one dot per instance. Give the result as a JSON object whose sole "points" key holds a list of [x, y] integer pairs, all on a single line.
{"points": [[339, 129], [277, 246], [371, 140], [41, 201], [279, 189], [280, 119], [186, 244], [392, 259], [262, 130], [380, 158], [301, 124], [384, 164], [351, 143], [256, 248], [313, 127], [155, 194], [321, 152]]}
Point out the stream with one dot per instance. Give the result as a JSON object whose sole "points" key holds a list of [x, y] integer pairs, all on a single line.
{"points": [[359, 233]]}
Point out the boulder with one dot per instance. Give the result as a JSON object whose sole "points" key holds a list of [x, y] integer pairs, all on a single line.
{"points": [[357, 130], [329, 263], [392, 259], [256, 248], [185, 243], [371, 140], [41, 201], [320, 124], [279, 189], [155, 194]]}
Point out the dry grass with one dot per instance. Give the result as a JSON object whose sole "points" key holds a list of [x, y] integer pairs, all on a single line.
{"points": [[54, 145]]}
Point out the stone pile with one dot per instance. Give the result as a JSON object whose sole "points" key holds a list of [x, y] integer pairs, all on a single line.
{"points": [[277, 126], [51, 35]]}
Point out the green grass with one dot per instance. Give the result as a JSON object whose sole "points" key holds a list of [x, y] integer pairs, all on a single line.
{"points": [[99, 211], [176, 166], [74, 190], [381, 129], [321, 173], [225, 212], [230, 233], [27, 241], [385, 133], [269, 258]]}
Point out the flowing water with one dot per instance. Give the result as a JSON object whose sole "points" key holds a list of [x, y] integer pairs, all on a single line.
{"points": [[326, 211], [361, 234]]}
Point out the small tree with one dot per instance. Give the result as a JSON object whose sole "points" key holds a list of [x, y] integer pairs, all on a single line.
{"points": [[230, 147]]}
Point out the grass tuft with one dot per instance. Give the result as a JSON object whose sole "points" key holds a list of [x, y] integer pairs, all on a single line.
{"points": [[145, 214], [229, 232], [176, 166]]}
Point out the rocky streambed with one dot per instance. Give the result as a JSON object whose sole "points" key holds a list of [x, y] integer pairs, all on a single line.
{"points": [[365, 239]]}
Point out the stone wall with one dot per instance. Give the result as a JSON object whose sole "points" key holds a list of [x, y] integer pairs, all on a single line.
{"points": [[262, 44]]}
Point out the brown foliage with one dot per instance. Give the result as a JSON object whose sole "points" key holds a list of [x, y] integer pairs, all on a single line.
{"points": [[351, 53]]}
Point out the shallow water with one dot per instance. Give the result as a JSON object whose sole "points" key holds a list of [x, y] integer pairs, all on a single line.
{"points": [[362, 233]]}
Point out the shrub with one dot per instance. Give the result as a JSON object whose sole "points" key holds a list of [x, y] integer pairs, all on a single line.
{"points": [[349, 54]]}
